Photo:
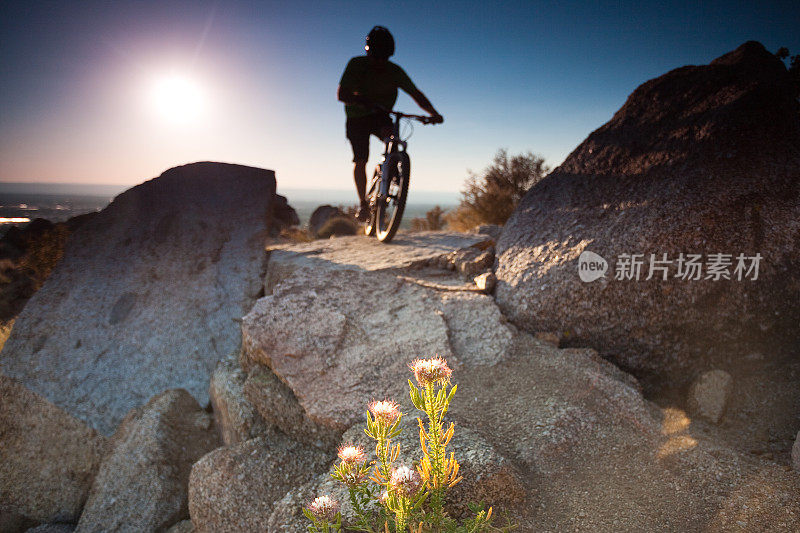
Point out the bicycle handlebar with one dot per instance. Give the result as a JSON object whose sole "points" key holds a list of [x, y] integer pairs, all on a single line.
{"points": [[421, 118]]}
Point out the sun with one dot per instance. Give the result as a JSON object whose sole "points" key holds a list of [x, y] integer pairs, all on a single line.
{"points": [[176, 98]]}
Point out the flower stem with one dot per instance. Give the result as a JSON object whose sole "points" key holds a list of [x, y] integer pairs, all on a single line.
{"points": [[383, 456], [360, 513], [436, 453], [401, 516]]}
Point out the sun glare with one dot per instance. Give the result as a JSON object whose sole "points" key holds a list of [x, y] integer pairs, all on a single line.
{"points": [[176, 98]]}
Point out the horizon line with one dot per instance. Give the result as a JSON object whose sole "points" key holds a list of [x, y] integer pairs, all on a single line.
{"points": [[125, 186]]}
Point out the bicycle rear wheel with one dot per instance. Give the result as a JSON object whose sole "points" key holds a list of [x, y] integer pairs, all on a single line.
{"points": [[390, 209], [372, 198]]}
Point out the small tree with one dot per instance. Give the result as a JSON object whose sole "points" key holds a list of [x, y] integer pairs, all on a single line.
{"points": [[793, 68], [433, 221], [490, 198]]}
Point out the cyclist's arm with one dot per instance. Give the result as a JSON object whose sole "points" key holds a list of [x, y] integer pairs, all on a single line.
{"points": [[424, 103]]}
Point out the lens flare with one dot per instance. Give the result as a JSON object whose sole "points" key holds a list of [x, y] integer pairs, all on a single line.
{"points": [[176, 98]]}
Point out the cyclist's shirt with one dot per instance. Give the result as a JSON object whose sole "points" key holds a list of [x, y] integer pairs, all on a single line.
{"points": [[379, 85]]}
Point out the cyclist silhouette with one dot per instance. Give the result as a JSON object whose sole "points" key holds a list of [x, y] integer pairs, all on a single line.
{"points": [[368, 89]]}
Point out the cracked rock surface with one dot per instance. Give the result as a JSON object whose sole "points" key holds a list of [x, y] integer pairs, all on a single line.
{"points": [[142, 482], [147, 293]]}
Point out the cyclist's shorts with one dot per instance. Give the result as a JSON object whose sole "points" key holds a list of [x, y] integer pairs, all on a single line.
{"points": [[360, 128]]}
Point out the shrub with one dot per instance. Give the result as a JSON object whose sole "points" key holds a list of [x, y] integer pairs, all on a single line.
{"points": [[433, 221], [349, 210], [338, 225], [296, 234], [388, 495], [490, 198]]}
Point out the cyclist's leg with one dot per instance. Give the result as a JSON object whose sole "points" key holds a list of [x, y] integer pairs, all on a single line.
{"points": [[381, 126], [358, 131], [360, 178]]}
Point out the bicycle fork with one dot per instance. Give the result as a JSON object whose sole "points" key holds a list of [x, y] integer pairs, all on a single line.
{"points": [[390, 158], [384, 185]]}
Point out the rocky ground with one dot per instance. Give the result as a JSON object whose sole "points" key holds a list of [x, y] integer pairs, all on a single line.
{"points": [[585, 450], [559, 439], [280, 350]]}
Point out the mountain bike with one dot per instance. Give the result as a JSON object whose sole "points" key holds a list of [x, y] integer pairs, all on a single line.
{"points": [[388, 188]]}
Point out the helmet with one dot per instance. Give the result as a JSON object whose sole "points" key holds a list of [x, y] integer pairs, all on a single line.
{"points": [[380, 43]]}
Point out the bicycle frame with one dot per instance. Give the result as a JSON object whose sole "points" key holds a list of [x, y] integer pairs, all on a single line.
{"points": [[392, 145], [389, 186]]}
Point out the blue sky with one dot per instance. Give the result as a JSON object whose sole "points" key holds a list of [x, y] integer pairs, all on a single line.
{"points": [[77, 78]]}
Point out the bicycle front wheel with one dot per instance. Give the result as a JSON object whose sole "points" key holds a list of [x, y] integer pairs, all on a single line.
{"points": [[390, 209], [372, 198]]}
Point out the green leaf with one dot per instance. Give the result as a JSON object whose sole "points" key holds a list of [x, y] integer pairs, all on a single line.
{"points": [[396, 424], [416, 399], [440, 396], [452, 392]]}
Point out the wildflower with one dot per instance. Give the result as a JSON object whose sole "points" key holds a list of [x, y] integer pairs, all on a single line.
{"points": [[405, 481], [351, 454], [324, 508], [386, 411], [351, 471], [430, 371]]}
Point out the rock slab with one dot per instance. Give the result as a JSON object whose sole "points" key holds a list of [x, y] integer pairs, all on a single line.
{"points": [[702, 160], [142, 483], [233, 489], [147, 293], [275, 402], [708, 395], [408, 250], [363, 322], [236, 418], [48, 458], [360, 330]]}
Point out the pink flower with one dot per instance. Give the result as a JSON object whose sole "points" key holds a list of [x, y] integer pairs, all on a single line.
{"points": [[405, 481], [351, 454], [324, 508], [386, 411], [429, 371]]}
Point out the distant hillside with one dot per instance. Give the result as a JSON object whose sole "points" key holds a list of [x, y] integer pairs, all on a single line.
{"points": [[80, 189]]}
